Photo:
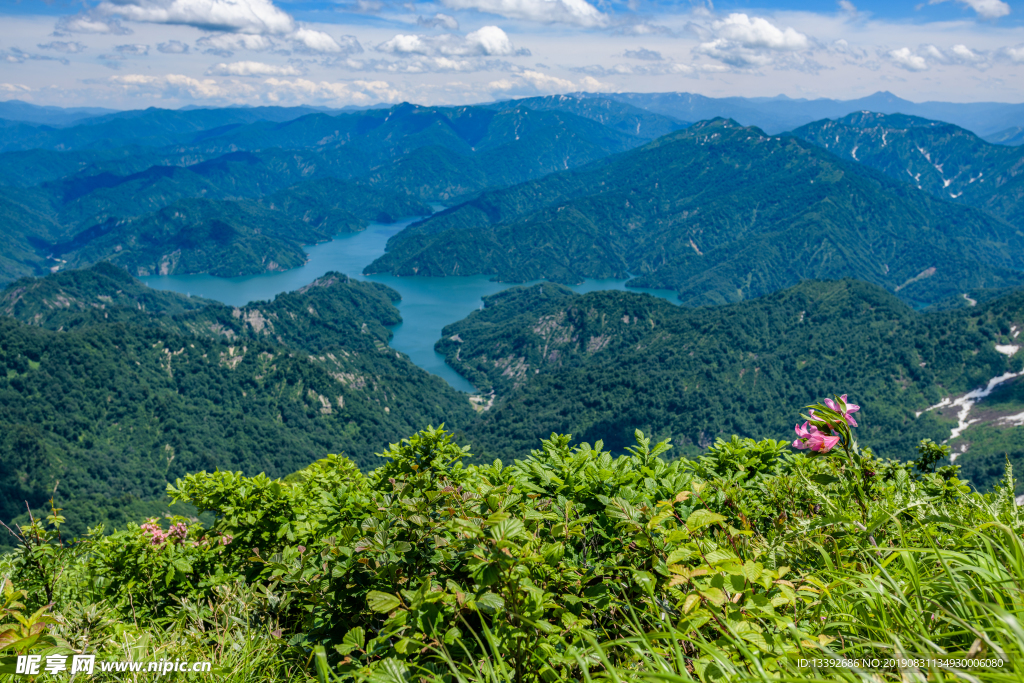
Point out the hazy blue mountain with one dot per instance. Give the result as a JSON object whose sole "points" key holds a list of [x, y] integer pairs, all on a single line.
{"points": [[148, 127], [36, 166], [1009, 136], [16, 110], [383, 135], [778, 114], [222, 238], [617, 115], [718, 212], [940, 158]]}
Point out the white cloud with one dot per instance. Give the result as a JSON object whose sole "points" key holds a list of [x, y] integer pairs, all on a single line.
{"points": [[172, 86], [226, 43], [645, 54], [14, 88], [962, 54], [71, 48], [576, 12], [926, 55], [242, 16], [18, 56], [986, 9], [650, 68], [591, 84], [758, 33], [315, 41], [905, 58], [1014, 54], [847, 6], [643, 28], [251, 69], [354, 92], [543, 81], [531, 82], [745, 42], [173, 47], [489, 41], [133, 50], [88, 23], [439, 21]]}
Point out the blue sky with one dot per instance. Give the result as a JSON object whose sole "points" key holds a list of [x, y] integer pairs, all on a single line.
{"points": [[138, 53]]}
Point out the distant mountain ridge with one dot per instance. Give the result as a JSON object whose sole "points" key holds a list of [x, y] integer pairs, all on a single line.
{"points": [[700, 211], [939, 158], [778, 114], [406, 153], [772, 114]]}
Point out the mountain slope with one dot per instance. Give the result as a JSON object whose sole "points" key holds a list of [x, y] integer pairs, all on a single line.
{"points": [[781, 113], [616, 115], [602, 364], [719, 213], [940, 158], [115, 389]]}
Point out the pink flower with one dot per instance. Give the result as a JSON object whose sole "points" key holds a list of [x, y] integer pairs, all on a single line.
{"points": [[225, 539], [844, 408], [157, 536], [808, 436]]}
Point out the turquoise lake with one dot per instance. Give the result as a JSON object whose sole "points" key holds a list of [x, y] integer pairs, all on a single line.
{"points": [[427, 305]]}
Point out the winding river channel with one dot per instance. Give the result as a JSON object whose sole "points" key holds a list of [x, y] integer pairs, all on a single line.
{"points": [[427, 305]]}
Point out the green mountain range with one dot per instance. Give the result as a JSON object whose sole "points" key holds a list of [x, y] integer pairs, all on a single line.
{"points": [[939, 158], [113, 389], [600, 365], [67, 201], [720, 213], [181, 227]]}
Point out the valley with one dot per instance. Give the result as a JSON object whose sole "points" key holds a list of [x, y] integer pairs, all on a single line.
{"points": [[271, 289]]}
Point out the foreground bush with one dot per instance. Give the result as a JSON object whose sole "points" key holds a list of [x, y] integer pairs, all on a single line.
{"points": [[569, 564]]}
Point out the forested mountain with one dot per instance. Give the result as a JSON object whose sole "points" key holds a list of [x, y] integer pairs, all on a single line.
{"points": [[151, 127], [16, 110], [1010, 136], [114, 389], [939, 158], [393, 159], [720, 213], [608, 112], [181, 220], [600, 365], [778, 114]]}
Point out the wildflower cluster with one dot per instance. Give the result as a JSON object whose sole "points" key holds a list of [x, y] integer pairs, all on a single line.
{"points": [[159, 537]]}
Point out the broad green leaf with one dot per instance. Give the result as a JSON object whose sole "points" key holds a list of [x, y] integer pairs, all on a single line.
{"points": [[356, 637], [701, 518], [679, 555], [489, 603], [7, 637], [715, 596], [382, 602], [552, 553], [719, 555]]}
